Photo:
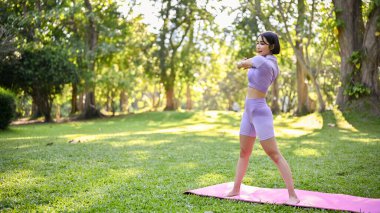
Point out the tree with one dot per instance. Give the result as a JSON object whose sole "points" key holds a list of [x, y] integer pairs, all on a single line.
{"points": [[178, 18], [189, 52], [91, 41], [41, 73], [169, 44], [95, 31], [27, 27], [359, 50], [300, 44]]}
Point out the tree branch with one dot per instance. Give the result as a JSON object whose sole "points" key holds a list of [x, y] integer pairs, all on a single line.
{"points": [[309, 34], [287, 34]]}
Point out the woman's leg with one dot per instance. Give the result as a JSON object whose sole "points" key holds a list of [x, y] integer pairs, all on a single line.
{"points": [[270, 147], [246, 146]]}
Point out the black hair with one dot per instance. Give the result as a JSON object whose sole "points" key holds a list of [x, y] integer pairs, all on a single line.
{"points": [[274, 43]]}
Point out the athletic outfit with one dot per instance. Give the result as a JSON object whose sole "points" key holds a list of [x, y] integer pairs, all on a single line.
{"points": [[257, 116]]}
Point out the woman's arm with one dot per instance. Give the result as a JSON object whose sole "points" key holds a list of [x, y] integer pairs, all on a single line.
{"points": [[256, 61], [245, 63]]}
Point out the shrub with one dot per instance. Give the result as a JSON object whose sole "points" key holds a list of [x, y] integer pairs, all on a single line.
{"points": [[7, 108]]}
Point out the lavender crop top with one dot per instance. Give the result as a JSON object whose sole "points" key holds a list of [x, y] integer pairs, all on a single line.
{"points": [[263, 72]]}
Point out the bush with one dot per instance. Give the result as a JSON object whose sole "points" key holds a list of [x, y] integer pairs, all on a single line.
{"points": [[7, 108]]}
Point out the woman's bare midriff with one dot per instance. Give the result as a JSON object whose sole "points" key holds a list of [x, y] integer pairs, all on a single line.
{"points": [[253, 93]]}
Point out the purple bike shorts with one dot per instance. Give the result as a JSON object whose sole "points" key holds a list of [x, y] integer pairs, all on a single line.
{"points": [[257, 119]]}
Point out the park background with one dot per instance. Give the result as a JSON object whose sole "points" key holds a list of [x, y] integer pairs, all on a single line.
{"points": [[165, 71]]}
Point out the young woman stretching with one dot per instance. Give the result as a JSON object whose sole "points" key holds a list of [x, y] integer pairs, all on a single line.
{"points": [[257, 118]]}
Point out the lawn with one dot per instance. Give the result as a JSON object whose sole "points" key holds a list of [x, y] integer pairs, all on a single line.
{"points": [[144, 162]]}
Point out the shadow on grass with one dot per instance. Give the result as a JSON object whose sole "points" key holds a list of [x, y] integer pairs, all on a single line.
{"points": [[363, 122], [340, 160]]}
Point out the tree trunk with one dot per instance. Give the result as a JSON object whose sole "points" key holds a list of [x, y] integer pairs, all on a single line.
{"points": [[230, 104], [163, 55], [123, 101], [108, 103], [321, 102], [74, 99], [169, 42], [302, 89], [302, 92], [157, 103], [113, 103], [76, 105], [81, 102], [90, 110], [169, 99], [371, 54], [36, 112], [350, 36], [44, 105], [189, 103], [49, 106], [57, 112], [48, 117]]}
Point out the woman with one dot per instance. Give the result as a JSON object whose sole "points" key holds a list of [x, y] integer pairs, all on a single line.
{"points": [[257, 118]]}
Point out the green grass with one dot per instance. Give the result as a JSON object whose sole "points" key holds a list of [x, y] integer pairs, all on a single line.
{"points": [[144, 162]]}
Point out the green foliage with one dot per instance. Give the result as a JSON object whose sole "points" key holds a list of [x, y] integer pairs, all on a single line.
{"points": [[171, 42], [7, 108], [356, 89], [39, 72], [355, 59], [233, 85], [371, 7], [245, 33], [43, 70], [339, 23], [120, 71], [126, 49]]}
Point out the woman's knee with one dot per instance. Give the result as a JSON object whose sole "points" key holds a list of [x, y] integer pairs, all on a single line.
{"points": [[245, 152], [246, 146], [275, 156]]}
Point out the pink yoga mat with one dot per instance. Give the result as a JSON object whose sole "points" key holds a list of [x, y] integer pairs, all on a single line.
{"points": [[279, 196]]}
